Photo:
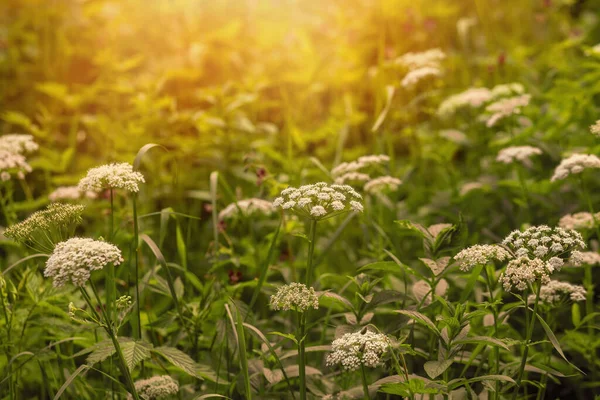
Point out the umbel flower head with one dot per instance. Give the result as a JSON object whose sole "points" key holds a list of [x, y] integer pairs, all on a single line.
{"points": [[340, 172], [554, 292], [70, 193], [247, 207], [584, 257], [544, 242], [382, 184], [506, 107], [320, 200], [520, 154], [472, 97], [294, 296], [112, 176], [595, 129], [157, 387], [75, 259], [13, 148], [355, 349], [578, 221], [480, 254], [575, 164], [47, 227]]}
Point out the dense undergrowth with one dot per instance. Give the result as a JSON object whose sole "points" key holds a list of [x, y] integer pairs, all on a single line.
{"points": [[299, 199]]}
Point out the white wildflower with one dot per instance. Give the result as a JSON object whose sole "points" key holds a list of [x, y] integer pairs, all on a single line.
{"points": [[320, 200], [455, 136], [472, 97], [157, 387], [294, 296], [352, 177], [415, 76], [480, 254], [595, 129], [522, 271], [70, 193], [355, 349], [74, 260], [578, 221], [13, 148], [431, 57], [558, 241], [521, 154], [112, 176], [247, 207], [585, 257], [575, 164], [506, 107], [555, 291], [381, 184], [359, 164]]}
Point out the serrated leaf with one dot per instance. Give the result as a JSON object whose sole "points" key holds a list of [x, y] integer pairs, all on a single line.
{"points": [[179, 359], [135, 352], [436, 368], [101, 351]]}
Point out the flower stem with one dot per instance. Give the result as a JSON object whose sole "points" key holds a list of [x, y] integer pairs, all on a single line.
{"points": [[136, 249], [108, 327], [111, 287], [7, 320], [364, 382], [496, 350], [301, 354], [311, 249], [527, 339]]}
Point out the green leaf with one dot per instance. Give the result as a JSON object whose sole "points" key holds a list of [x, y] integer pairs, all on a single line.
{"points": [[483, 340], [413, 229], [101, 351], [69, 381], [436, 368], [181, 360], [285, 335], [423, 319], [385, 297], [135, 352], [329, 299], [554, 341]]}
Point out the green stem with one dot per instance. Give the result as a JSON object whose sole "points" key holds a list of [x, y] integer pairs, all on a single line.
{"points": [[365, 385], [525, 192], [11, 388], [111, 287], [136, 249], [301, 354], [588, 279], [527, 339], [311, 249], [496, 349], [108, 327]]}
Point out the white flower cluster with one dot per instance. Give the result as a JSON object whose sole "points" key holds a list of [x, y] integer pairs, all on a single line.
{"points": [[247, 207], [70, 193], [540, 250], [521, 154], [480, 254], [584, 257], [555, 291], [472, 97], [76, 258], [339, 173], [382, 184], [56, 217], [355, 349], [157, 387], [294, 296], [416, 75], [506, 107], [578, 221], [421, 289], [13, 148], [595, 129], [507, 89], [112, 176], [431, 57], [575, 164], [320, 200]]}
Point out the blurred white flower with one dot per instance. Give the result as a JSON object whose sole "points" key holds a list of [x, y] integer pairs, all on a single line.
{"points": [[382, 184], [521, 154], [415, 76], [13, 148], [507, 89], [247, 207], [506, 107], [575, 164], [70, 193], [472, 97], [595, 129], [361, 163], [428, 58], [578, 221]]}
